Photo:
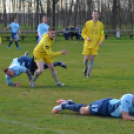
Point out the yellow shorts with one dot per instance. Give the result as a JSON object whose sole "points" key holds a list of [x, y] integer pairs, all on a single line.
{"points": [[44, 58], [90, 51]]}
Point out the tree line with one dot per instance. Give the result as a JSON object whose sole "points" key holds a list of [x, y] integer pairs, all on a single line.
{"points": [[60, 13]]}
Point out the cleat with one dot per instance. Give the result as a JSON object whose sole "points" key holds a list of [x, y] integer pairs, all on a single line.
{"points": [[60, 84], [63, 64], [60, 101], [8, 47], [26, 54], [85, 71], [88, 76], [57, 109], [32, 84], [18, 47]]}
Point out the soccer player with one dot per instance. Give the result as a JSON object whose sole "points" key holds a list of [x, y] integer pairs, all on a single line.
{"points": [[42, 28], [123, 108], [0, 40], [93, 34], [24, 64], [15, 28], [43, 53]]}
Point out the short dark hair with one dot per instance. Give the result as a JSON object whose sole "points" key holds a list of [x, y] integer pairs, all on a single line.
{"points": [[5, 70], [51, 29]]}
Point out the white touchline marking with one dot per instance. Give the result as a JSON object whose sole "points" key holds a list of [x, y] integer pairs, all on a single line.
{"points": [[34, 127]]}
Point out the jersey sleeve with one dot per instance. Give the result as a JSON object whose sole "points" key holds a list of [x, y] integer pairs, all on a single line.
{"points": [[124, 104], [102, 36], [11, 25], [49, 51], [22, 69], [0, 39], [84, 32], [8, 79]]}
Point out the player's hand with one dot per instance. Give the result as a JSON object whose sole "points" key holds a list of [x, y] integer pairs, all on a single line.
{"points": [[17, 84], [64, 52], [100, 44], [88, 39]]}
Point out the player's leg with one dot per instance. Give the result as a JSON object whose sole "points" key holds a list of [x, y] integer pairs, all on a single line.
{"points": [[37, 73], [16, 42], [90, 66], [70, 105], [54, 74], [60, 63], [11, 41], [86, 53]]}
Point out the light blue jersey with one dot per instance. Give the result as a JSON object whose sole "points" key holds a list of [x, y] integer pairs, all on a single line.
{"points": [[15, 65], [124, 104], [14, 27], [42, 29]]}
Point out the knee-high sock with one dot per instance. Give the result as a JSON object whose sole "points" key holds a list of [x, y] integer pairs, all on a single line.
{"points": [[55, 76], [86, 63], [10, 43], [90, 67], [55, 64], [74, 106], [16, 42], [35, 77]]}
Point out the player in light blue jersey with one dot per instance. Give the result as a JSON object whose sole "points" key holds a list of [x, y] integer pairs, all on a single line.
{"points": [[15, 28], [42, 28], [120, 108], [24, 64]]}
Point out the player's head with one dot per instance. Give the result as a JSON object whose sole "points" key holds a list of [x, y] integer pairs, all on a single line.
{"points": [[95, 15], [9, 71], [15, 20], [51, 32], [44, 19]]}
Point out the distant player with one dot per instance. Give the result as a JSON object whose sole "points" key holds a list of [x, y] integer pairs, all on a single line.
{"points": [[0, 40], [15, 28], [43, 53], [93, 33], [42, 28], [24, 64], [123, 108]]}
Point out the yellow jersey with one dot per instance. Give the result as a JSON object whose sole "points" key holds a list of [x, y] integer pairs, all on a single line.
{"points": [[95, 31], [0, 39], [44, 47]]}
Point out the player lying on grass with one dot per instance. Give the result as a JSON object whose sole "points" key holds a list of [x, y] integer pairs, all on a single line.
{"points": [[123, 108], [43, 53], [24, 64]]}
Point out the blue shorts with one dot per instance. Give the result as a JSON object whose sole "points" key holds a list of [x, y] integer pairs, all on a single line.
{"points": [[100, 107], [13, 36]]}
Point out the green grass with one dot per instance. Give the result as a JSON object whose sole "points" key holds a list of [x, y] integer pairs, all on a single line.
{"points": [[27, 110]]}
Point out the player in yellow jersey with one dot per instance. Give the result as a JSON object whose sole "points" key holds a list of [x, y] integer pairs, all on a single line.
{"points": [[0, 40], [93, 34], [43, 53]]}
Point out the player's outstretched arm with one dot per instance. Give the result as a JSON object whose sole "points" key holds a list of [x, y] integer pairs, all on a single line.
{"points": [[14, 84], [126, 116]]}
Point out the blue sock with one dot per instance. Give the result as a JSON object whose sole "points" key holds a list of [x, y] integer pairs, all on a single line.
{"points": [[74, 106], [10, 43], [16, 42]]}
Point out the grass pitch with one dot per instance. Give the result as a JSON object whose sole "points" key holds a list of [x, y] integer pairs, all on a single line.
{"points": [[27, 110]]}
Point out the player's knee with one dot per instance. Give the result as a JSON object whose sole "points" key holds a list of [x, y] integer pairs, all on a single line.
{"points": [[84, 111], [40, 71], [52, 69]]}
